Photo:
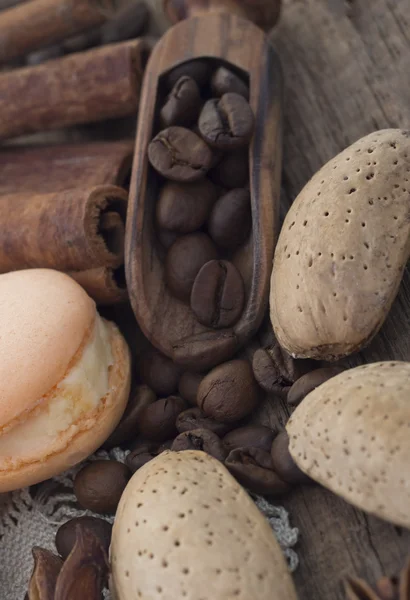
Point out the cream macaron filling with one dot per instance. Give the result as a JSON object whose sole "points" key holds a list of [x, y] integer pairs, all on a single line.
{"points": [[60, 414]]}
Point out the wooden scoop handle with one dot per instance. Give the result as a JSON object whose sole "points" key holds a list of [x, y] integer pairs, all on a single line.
{"points": [[264, 13]]}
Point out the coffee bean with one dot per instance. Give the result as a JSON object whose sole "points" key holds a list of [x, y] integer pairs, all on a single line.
{"points": [[229, 392], [283, 462], [99, 485], [225, 81], [250, 436], [184, 207], [160, 373], [184, 260], [231, 219], [195, 418], [199, 70], [180, 155], [182, 105], [157, 421], [188, 386], [166, 238], [275, 370], [66, 534], [128, 426], [232, 171], [253, 468], [226, 123], [143, 453], [200, 439], [218, 294], [310, 381]]}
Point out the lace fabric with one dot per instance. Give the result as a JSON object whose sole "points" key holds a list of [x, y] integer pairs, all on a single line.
{"points": [[31, 516]]}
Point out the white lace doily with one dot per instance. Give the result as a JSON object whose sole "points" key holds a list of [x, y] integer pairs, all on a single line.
{"points": [[30, 519]]}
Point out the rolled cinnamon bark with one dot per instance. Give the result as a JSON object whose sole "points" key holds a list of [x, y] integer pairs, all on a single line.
{"points": [[55, 168], [39, 23], [72, 230], [85, 87], [106, 286]]}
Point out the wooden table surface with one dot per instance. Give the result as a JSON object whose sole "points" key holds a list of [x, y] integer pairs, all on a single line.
{"points": [[347, 73]]}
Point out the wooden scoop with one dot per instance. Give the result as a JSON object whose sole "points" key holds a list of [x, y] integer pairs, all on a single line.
{"points": [[215, 29]]}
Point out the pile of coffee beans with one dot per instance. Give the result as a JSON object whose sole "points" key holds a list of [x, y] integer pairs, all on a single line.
{"points": [[203, 212]]}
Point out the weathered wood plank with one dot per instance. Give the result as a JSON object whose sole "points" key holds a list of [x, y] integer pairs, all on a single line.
{"points": [[346, 74]]}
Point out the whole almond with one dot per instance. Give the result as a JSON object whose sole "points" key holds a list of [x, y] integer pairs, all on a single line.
{"points": [[185, 529], [351, 434], [342, 250]]}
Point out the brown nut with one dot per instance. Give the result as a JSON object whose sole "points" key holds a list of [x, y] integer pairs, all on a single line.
{"points": [[229, 392], [194, 418], [158, 420], [127, 428], [66, 534], [159, 373], [283, 463], [250, 436], [253, 468], [188, 386], [99, 485], [201, 439], [310, 381]]}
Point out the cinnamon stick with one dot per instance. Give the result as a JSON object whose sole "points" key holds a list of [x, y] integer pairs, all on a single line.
{"points": [[86, 87], [72, 230], [55, 168], [38, 23], [106, 286]]}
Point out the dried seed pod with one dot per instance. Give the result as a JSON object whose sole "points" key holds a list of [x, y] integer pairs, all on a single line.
{"points": [[85, 571], [47, 567], [66, 534]]}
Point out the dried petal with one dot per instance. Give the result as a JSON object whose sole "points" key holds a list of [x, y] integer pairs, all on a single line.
{"points": [[358, 589], [85, 571], [43, 580]]}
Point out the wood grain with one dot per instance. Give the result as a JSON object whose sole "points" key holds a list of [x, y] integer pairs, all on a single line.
{"points": [[168, 323], [346, 74]]}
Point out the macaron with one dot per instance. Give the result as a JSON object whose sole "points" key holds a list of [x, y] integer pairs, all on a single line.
{"points": [[64, 376]]}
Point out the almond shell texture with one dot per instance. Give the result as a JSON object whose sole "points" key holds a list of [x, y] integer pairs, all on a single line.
{"points": [[343, 248], [186, 529], [352, 435]]}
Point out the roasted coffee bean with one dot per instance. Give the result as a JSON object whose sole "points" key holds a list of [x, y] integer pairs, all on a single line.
{"points": [[142, 454], [226, 123], [128, 426], [188, 386], [182, 105], [166, 238], [232, 171], [160, 373], [201, 439], [200, 70], [275, 370], [253, 468], [229, 392], [180, 155], [310, 381], [250, 436], [157, 421], [184, 207], [231, 219], [99, 485], [195, 418], [283, 462], [218, 294], [184, 260], [225, 81], [66, 534]]}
